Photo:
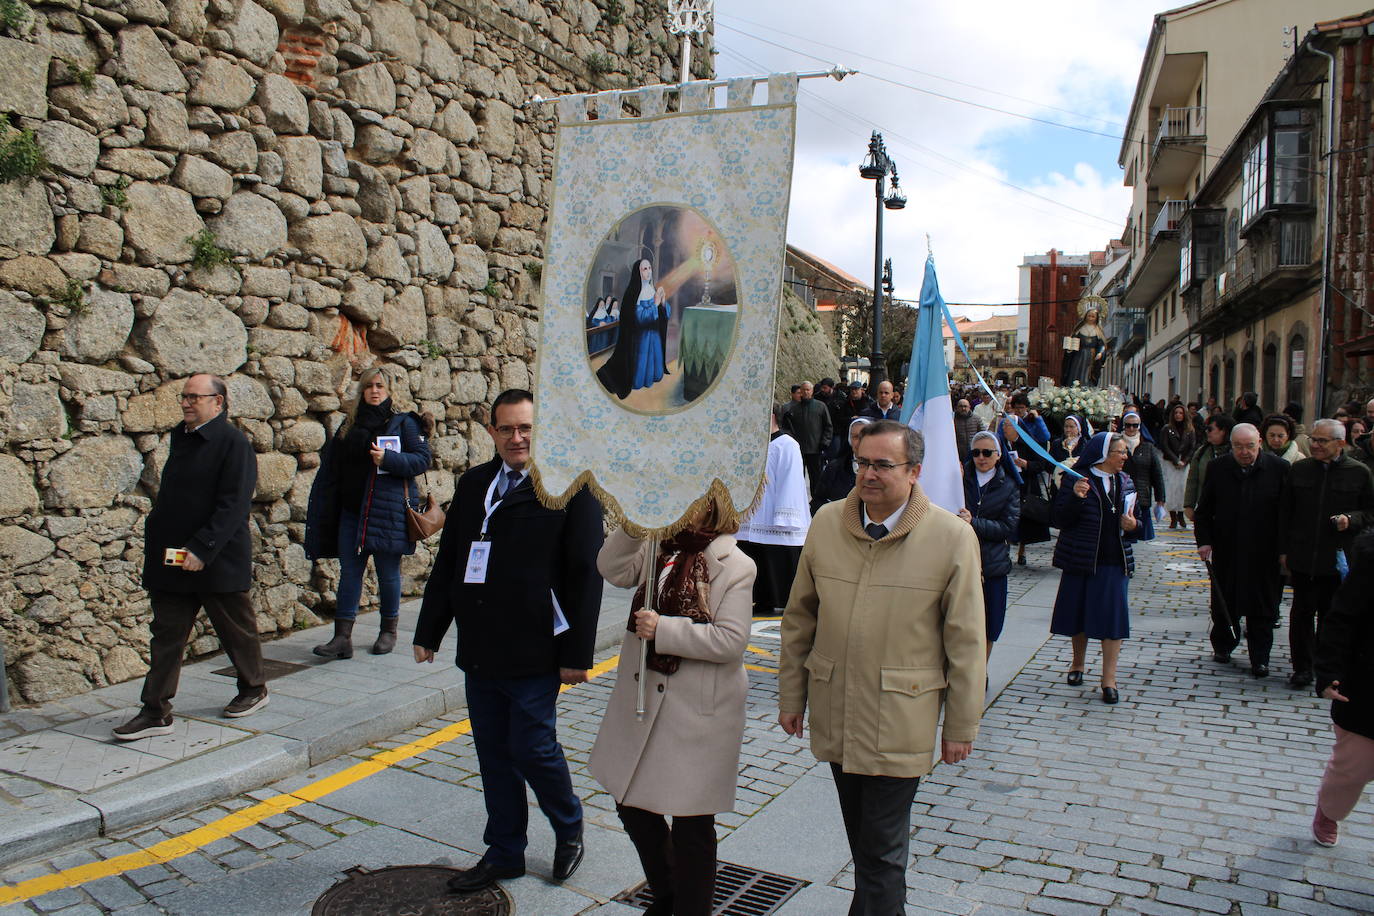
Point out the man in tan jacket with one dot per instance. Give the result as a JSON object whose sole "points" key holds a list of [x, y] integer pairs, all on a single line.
{"points": [[885, 621]]}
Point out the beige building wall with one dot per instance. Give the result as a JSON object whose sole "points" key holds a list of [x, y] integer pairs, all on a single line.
{"points": [[1279, 328]]}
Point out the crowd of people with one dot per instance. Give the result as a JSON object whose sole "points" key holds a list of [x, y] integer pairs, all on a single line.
{"points": [[890, 604]]}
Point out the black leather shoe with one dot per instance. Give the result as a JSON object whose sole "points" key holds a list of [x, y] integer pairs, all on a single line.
{"points": [[1222, 658], [1300, 680], [1259, 670], [1075, 678], [1110, 696], [482, 875], [567, 855]]}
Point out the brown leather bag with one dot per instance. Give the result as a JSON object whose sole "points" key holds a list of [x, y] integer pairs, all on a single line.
{"points": [[425, 522]]}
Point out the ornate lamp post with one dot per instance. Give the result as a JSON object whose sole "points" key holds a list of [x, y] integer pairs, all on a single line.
{"points": [[877, 165], [688, 18]]}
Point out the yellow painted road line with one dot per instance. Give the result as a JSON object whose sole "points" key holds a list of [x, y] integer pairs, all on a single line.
{"points": [[1190, 582], [761, 668], [1180, 553], [189, 842], [757, 651]]}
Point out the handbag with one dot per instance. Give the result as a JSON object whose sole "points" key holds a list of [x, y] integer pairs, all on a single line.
{"points": [[426, 521], [1035, 505]]}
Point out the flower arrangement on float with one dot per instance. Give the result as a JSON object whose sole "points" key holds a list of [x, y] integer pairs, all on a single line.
{"points": [[1097, 404]]}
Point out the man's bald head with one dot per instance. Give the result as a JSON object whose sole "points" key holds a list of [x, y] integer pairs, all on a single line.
{"points": [[1245, 443]]}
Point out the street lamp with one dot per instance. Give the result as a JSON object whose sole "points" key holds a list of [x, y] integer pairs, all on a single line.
{"points": [[877, 165]]}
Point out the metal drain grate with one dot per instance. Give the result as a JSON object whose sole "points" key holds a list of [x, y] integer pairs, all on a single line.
{"points": [[272, 668], [740, 891], [416, 890]]}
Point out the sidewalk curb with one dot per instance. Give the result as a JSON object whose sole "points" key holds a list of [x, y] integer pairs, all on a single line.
{"points": [[243, 766]]}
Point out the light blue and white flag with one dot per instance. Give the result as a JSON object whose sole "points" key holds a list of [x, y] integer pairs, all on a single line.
{"points": [[926, 404]]}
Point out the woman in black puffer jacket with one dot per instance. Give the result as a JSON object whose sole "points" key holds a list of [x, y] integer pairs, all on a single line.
{"points": [[992, 505], [1345, 676], [357, 507]]}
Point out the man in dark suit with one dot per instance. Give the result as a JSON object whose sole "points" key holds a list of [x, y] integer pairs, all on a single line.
{"points": [[197, 552], [1236, 523], [520, 582], [886, 407]]}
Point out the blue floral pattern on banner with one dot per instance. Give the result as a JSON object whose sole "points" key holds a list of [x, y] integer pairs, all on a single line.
{"points": [[734, 165]]}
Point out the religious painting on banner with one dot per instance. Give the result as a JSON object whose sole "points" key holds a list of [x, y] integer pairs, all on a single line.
{"points": [[661, 289]]}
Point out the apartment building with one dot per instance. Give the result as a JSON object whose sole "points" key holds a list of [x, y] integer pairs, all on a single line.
{"points": [[1049, 288], [1205, 66]]}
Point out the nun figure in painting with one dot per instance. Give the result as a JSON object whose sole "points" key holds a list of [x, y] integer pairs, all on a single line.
{"points": [[1085, 364], [639, 359]]}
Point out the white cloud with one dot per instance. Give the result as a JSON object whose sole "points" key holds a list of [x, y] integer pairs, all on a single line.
{"points": [[1081, 57]]}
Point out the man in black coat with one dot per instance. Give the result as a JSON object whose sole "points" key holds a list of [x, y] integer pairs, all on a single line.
{"points": [[809, 424], [520, 582], [1237, 529], [1328, 499], [197, 552]]}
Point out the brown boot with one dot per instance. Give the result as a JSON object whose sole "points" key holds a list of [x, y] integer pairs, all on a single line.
{"points": [[386, 639], [341, 646]]}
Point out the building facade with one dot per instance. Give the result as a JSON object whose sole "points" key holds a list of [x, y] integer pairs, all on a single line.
{"points": [[1050, 286], [992, 344], [1205, 66]]}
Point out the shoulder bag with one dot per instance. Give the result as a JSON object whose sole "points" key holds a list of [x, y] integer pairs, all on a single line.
{"points": [[426, 521]]}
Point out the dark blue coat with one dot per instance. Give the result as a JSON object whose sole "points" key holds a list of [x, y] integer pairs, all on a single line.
{"points": [[382, 511], [996, 511], [1080, 524]]}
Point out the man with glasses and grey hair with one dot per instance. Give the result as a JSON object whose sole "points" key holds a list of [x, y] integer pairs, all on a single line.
{"points": [[1237, 531], [197, 552], [883, 627], [1328, 499]]}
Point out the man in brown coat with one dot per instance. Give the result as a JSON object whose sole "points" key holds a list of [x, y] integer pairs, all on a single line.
{"points": [[885, 619]]}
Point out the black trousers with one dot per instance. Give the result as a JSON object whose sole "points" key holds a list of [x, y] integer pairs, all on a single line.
{"points": [[174, 613], [1312, 597], [777, 567], [877, 821], [812, 462], [679, 861], [1259, 636]]}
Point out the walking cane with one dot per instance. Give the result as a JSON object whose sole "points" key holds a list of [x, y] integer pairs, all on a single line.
{"points": [[1231, 622], [650, 588]]}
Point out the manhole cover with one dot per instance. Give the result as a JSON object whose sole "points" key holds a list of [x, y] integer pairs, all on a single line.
{"points": [[739, 891], [407, 890], [272, 668]]}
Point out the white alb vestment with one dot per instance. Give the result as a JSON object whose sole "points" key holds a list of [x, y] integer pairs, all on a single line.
{"points": [[783, 514]]}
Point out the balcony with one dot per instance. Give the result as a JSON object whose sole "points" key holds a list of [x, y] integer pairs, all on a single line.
{"points": [[1158, 267], [1177, 147], [1261, 276], [1127, 327]]}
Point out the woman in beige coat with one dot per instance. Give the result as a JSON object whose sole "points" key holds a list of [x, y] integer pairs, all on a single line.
{"points": [[682, 760]]}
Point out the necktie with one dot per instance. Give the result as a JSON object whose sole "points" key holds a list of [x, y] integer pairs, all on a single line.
{"points": [[876, 531], [512, 480]]}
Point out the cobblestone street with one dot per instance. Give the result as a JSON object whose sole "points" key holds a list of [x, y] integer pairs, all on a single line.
{"points": [[1193, 795]]}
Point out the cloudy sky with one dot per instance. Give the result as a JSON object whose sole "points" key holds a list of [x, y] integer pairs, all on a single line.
{"points": [[1074, 62]]}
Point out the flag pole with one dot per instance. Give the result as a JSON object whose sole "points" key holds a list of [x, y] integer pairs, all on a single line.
{"points": [[650, 589]]}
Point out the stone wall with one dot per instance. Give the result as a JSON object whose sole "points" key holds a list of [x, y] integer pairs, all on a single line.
{"points": [[363, 185]]}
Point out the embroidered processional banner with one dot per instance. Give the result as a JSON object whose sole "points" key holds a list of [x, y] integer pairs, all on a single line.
{"points": [[661, 287]]}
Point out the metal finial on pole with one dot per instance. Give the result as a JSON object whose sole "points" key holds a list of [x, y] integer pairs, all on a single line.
{"points": [[688, 18]]}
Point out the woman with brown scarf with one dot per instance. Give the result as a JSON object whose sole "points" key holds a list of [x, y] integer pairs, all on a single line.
{"points": [[682, 759]]}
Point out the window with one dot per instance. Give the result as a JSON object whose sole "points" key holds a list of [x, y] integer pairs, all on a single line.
{"points": [[1254, 189], [1297, 359], [1295, 243], [1293, 166]]}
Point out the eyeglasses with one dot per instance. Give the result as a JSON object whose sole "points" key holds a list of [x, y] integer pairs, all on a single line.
{"points": [[192, 398], [982, 452], [505, 432], [1318, 440], [884, 467], [1132, 425]]}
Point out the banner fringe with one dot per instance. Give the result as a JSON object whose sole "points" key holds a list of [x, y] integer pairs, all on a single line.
{"points": [[717, 491]]}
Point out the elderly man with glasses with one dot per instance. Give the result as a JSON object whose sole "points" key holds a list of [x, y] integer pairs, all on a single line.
{"points": [[519, 581], [1328, 499], [883, 627], [197, 552]]}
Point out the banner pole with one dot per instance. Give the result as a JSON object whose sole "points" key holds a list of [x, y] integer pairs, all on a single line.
{"points": [[650, 589], [837, 73]]}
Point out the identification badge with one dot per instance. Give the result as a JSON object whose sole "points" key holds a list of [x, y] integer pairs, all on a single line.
{"points": [[478, 555]]}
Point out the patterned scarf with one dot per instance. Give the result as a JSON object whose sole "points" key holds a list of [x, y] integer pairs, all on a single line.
{"points": [[685, 593]]}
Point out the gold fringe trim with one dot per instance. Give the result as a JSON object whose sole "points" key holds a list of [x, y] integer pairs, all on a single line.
{"points": [[715, 491]]}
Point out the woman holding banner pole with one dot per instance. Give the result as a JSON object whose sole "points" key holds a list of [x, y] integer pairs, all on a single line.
{"points": [[681, 758]]}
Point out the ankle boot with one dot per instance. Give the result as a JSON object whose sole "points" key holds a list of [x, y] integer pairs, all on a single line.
{"points": [[386, 639], [341, 646]]}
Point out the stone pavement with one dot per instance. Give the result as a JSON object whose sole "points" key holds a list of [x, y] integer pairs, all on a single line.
{"points": [[63, 779], [1193, 795]]}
